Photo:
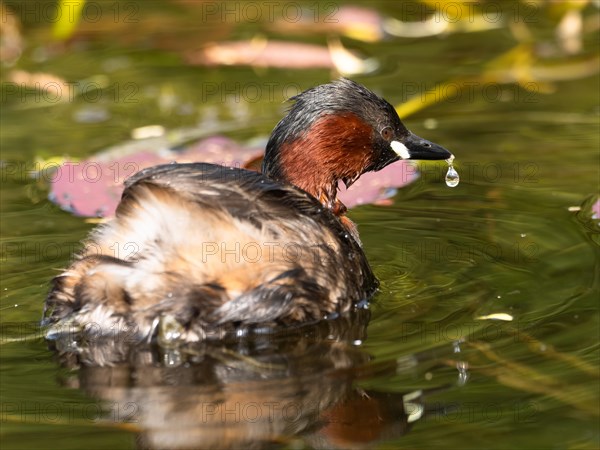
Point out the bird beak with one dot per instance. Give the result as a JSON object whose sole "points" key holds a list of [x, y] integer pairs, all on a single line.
{"points": [[414, 147]]}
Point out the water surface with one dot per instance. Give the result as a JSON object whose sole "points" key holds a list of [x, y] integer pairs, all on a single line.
{"points": [[428, 366]]}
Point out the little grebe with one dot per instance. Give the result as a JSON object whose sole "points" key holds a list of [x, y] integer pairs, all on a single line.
{"points": [[211, 248]]}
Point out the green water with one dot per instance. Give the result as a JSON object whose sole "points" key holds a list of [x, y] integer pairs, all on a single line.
{"points": [[507, 240]]}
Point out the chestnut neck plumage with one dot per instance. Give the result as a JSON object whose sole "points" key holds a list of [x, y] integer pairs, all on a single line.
{"points": [[335, 147]]}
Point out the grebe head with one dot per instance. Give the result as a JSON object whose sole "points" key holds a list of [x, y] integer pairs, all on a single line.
{"points": [[338, 131]]}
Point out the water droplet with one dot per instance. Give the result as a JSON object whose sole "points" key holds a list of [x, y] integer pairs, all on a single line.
{"points": [[463, 372], [452, 178], [334, 315], [172, 358], [363, 304], [169, 331]]}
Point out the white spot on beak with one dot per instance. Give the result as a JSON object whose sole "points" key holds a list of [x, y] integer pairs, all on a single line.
{"points": [[400, 149]]}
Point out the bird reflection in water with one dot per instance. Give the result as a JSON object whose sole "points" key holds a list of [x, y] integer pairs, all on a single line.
{"points": [[263, 389]]}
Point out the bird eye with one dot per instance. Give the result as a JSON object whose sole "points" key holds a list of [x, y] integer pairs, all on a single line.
{"points": [[387, 133]]}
